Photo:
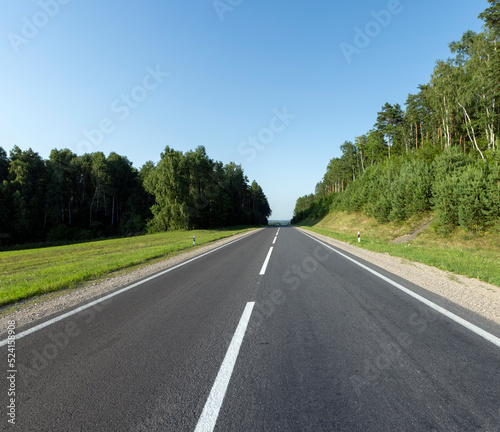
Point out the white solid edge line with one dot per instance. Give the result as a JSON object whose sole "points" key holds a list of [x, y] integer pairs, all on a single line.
{"points": [[266, 262], [210, 413], [100, 300], [479, 331]]}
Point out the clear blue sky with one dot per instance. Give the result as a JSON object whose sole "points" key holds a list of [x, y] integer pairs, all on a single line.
{"points": [[69, 66]]}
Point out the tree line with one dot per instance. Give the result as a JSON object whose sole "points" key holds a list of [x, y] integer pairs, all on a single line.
{"points": [[192, 190], [70, 197], [440, 152]]}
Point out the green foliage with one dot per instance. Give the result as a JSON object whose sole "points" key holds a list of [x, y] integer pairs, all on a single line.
{"points": [[71, 198], [466, 192], [462, 190], [191, 190], [471, 193], [491, 16], [317, 209], [167, 183], [388, 124], [448, 168], [411, 191]]}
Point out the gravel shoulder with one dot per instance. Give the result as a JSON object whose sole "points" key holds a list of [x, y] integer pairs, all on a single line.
{"points": [[472, 294], [30, 311]]}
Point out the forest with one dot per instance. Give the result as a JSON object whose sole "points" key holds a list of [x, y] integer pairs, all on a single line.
{"points": [[76, 198], [439, 153]]}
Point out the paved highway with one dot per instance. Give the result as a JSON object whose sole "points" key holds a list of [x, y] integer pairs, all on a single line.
{"points": [[273, 332]]}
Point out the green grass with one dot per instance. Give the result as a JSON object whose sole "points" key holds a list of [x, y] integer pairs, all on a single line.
{"points": [[473, 255], [32, 272]]}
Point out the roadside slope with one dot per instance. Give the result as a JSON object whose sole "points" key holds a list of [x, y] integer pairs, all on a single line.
{"points": [[472, 254]]}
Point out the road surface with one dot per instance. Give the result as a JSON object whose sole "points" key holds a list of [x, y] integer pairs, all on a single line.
{"points": [[273, 332]]}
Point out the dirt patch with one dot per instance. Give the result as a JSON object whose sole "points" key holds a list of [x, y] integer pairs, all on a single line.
{"points": [[409, 237]]}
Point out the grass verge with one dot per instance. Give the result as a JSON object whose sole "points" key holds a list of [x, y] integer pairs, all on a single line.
{"points": [[32, 272], [470, 254]]}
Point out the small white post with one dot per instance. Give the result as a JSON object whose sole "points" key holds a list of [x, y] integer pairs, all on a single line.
{"points": [[194, 241], [359, 237]]}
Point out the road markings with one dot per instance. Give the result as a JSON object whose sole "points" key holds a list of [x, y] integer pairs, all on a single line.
{"points": [[275, 238], [208, 418], [477, 330], [102, 299], [266, 262]]}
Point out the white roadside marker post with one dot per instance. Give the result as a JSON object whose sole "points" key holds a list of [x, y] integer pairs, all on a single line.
{"points": [[194, 241], [359, 237]]}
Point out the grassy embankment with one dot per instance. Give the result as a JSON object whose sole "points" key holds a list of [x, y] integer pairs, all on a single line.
{"points": [[31, 272], [465, 253]]}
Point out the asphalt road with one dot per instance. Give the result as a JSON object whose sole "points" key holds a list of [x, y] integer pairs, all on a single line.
{"points": [[299, 338]]}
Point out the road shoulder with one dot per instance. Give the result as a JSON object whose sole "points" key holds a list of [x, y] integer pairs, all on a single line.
{"points": [[472, 294], [36, 309]]}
